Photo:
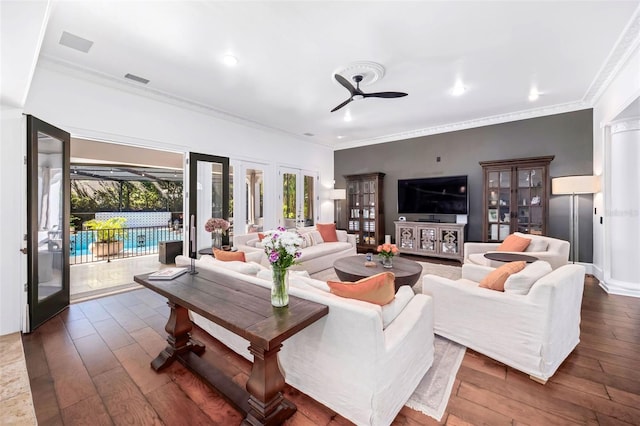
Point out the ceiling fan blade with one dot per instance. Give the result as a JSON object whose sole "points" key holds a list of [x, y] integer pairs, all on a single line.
{"points": [[385, 95], [342, 104], [343, 81]]}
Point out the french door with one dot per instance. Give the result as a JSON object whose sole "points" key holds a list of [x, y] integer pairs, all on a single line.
{"points": [[208, 197], [48, 205], [298, 196], [249, 197]]}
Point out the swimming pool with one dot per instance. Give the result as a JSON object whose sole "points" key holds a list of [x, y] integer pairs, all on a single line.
{"points": [[137, 241]]}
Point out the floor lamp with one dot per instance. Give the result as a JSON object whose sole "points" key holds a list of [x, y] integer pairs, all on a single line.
{"points": [[337, 195], [575, 185]]}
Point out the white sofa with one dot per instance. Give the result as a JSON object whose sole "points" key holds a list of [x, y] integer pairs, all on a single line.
{"points": [[551, 250], [314, 258], [361, 360], [532, 332]]}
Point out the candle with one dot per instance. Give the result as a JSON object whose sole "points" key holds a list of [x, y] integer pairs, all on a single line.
{"points": [[387, 239]]}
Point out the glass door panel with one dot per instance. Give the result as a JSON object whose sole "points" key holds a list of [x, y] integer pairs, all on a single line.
{"points": [[48, 204], [209, 189], [254, 199], [289, 199], [298, 194], [309, 201]]}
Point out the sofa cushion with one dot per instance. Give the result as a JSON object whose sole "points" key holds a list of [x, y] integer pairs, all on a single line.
{"points": [[514, 243], [392, 309], [246, 268], [320, 250], [378, 289], [328, 232], [226, 256], [537, 244], [521, 282], [495, 280]]}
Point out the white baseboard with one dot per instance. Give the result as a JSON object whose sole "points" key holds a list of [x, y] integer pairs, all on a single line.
{"points": [[621, 288]]}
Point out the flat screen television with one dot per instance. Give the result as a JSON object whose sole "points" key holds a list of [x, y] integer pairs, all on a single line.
{"points": [[437, 195]]}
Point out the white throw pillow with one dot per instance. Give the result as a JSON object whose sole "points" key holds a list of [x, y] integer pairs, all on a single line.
{"points": [[521, 282], [537, 244], [392, 309], [316, 237], [253, 256], [307, 241], [252, 242]]}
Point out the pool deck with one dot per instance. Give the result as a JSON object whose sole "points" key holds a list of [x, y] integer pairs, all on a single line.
{"points": [[97, 279]]}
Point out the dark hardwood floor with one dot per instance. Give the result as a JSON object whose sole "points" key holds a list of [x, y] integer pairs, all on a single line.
{"points": [[90, 365]]}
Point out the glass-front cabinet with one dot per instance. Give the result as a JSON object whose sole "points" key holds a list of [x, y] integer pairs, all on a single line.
{"points": [[516, 197], [365, 210]]}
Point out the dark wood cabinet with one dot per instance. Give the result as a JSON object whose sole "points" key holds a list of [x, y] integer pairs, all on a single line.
{"points": [[365, 210], [515, 197]]}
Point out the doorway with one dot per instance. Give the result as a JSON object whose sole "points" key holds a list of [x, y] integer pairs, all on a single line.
{"points": [[143, 186], [298, 197]]}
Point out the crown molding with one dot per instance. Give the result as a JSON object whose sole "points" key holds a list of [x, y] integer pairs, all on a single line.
{"points": [[469, 124], [624, 47], [625, 125]]}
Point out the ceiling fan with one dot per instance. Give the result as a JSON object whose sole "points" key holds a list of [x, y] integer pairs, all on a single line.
{"points": [[357, 94]]}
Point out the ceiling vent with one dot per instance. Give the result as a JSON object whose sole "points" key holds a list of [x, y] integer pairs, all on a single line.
{"points": [[75, 42], [136, 78]]}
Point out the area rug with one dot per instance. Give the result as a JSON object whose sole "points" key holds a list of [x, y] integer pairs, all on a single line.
{"points": [[432, 394]]}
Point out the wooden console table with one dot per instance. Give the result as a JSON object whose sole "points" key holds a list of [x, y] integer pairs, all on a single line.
{"points": [[244, 309]]}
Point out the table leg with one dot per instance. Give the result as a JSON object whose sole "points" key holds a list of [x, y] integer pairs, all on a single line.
{"points": [[267, 406], [179, 339]]}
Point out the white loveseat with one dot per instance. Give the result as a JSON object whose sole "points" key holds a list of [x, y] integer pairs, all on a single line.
{"points": [[532, 332], [551, 250], [316, 256], [361, 360]]}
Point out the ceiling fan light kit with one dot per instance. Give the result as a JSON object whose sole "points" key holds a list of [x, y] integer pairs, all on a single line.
{"points": [[357, 94]]}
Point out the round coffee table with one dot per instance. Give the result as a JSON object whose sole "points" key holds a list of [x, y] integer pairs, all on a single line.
{"points": [[352, 269], [509, 257]]}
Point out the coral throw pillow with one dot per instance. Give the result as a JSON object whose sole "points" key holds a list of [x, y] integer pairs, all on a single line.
{"points": [[514, 243], [328, 232], [495, 279], [260, 236], [378, 289], [227, 256]]}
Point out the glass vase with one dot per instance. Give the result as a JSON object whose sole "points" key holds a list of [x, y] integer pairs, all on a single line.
{"points": [[216, 237], [387, 261], [280, 286]]}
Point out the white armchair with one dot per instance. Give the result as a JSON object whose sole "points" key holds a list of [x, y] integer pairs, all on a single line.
{"points": [[532, 332], [551, 250]]}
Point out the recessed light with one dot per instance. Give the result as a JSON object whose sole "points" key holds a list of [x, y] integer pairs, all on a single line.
{"points": [[458, 88], [347, 116], [340, 136], [230, 60], [534, 94]]}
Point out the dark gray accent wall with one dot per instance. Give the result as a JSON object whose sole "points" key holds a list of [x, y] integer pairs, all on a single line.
{"points": [[568, 136]]}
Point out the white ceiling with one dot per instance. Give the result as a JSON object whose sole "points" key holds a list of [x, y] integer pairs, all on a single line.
{"points": [[288, 52]]}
